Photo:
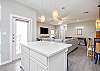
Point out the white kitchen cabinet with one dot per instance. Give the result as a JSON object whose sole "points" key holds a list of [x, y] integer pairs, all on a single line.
{"points": [[36, 66], [25, 60], [44, 56], [33, 65]]}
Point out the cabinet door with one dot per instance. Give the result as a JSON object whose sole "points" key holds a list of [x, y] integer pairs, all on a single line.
{"points": [[33, 65], [36, 66], [25, 62], [66, 61], [41, 68]]}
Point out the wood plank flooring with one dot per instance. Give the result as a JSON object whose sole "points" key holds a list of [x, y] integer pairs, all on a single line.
{"points": [[14, 66], [78, 61]]}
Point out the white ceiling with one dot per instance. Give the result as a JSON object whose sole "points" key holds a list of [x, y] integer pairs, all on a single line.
{"points": [[72, 8]]}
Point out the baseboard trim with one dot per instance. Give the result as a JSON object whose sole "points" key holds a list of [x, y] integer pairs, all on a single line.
{"points": [[9, 62], [6, 62]]}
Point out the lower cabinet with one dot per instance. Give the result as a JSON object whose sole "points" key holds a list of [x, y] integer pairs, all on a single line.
{"points": [[33, 61], [33, 65], [36, 66], [25, 62]]}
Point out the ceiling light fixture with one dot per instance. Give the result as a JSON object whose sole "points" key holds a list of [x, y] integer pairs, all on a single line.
{"points": [[55, 15], [42, 18]]}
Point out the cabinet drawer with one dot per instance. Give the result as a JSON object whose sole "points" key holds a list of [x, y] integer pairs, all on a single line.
{"points": [[24, 50], [42, 59], [36, 66], [25, 62], [25, 65]]}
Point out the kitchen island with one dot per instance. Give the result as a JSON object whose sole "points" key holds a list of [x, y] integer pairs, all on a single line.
{"points": [[44, 56]]}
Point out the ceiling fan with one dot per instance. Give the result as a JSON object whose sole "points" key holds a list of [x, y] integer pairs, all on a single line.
{"points": [[57, 17]]}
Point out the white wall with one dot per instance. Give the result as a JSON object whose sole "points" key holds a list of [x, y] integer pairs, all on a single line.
{"points": [[0, 32], [0, 11], [45, 25], [88, 31], [11, 7], [0, 47]]}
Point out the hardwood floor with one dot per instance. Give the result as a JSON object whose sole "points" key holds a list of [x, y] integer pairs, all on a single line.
{"points": [[78, 61], [14, 66]]}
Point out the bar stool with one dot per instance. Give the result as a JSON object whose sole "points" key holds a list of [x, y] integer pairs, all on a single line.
{"points": [[89, 48], [97, 49]]}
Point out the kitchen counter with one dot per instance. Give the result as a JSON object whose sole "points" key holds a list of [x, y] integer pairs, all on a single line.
{"points": [[47, 48], [44, 56]]}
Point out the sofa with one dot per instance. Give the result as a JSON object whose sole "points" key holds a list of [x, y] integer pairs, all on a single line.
{"points": [[74, 42]]}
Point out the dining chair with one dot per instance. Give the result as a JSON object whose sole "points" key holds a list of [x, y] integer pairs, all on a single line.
{"points": [[97, 49]]}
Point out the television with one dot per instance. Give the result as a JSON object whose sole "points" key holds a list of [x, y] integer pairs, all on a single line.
{"points": [[43, 30]]}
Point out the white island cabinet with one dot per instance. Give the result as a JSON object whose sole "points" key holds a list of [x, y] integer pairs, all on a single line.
{"points": [[44, 56]]}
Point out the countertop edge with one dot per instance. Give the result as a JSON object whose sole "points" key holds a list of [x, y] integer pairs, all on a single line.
{"points": [[45, 54]]}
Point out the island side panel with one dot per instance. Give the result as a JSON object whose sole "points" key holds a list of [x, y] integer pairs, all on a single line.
{"points": [[57, 62], [25, 58]]}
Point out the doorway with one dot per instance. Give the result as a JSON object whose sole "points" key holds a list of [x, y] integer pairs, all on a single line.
{"points": [[20, 31]]}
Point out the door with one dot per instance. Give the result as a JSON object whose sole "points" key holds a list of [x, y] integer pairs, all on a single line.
{"points": [[20, 30]]}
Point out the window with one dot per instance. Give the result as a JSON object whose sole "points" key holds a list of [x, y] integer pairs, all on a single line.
{"points": [[79, 30]]}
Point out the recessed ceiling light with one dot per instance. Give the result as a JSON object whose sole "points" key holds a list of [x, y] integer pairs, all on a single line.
{"points": [[42, 18]]}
